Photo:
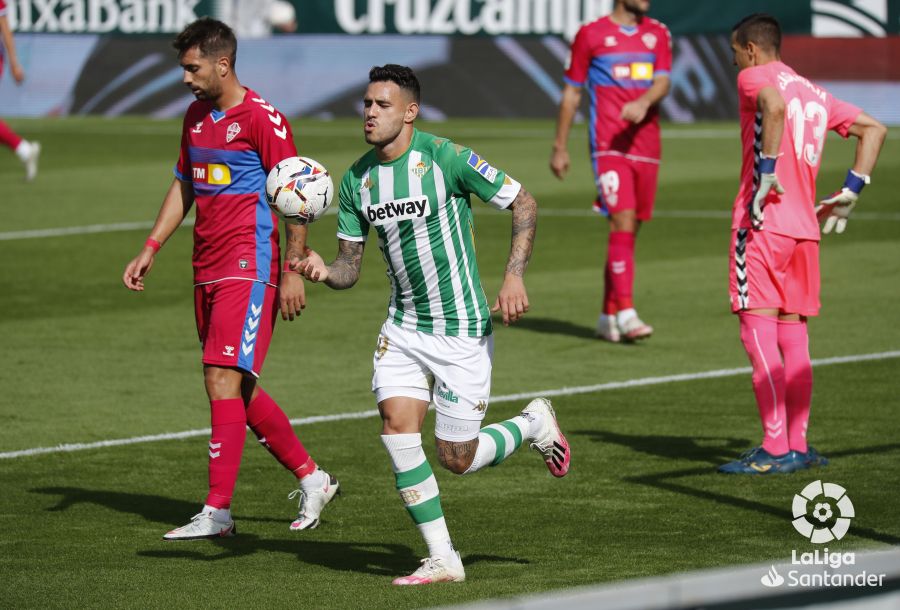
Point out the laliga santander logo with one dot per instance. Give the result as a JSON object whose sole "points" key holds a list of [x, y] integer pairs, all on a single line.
{"points": [[831, 513]]}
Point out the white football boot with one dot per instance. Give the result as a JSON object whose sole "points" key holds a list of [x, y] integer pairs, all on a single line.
{"points": [[549, 442], [31, 161], [202, 526], [435, 569], [313, 501], [634, 329], [607, 329]]}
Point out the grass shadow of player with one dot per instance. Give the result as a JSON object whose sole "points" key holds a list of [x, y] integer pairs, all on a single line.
{"points": [[712, 449], [552, 327], [376, 558], [158, 509], [668, 481]]}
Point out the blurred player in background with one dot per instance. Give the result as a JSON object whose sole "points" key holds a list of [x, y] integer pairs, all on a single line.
{"points": [[28, 152], [230, 140], [774, 256], [437, 342], [623, 60]]}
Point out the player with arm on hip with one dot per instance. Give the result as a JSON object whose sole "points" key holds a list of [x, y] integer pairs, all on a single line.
{"points": [[623, 62], [774, 256], [27, 152], [415, 188], [231, 138]]}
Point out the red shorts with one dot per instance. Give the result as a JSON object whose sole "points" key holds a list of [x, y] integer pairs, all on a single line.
{"points": [[771, 271], [235, 320], [623, 184]]}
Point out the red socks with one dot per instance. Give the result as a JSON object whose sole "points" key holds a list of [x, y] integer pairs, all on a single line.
{"points": [[274, 431], [229, 430], [759, 334], [793, 341], [8, 137], [619, 272]]}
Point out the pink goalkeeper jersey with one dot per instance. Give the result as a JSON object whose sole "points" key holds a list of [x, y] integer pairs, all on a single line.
{"points": [[617, 64], [227, 156], [810, 112]]}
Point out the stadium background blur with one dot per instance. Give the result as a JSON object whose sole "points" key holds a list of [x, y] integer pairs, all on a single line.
{"points": [[85, 362]]}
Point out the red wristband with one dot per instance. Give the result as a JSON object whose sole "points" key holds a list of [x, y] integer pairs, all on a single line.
{"points": [[152, 243], [286, 267]]}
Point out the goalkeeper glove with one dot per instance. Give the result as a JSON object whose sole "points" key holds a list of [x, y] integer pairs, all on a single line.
{"points": [[767, 181], [836, 208]]}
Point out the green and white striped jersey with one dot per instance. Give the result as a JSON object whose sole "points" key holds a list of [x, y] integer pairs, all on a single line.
{"points": [[420, 207]]}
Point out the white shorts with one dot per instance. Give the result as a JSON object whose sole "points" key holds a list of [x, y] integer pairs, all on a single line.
{"points": [[453, 372]]}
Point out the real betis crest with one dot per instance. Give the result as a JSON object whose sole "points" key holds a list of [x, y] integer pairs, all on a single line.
{"points": [[420, 169]]}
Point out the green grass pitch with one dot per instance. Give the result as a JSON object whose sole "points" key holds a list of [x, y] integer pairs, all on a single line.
{"points": [[84, 360]]}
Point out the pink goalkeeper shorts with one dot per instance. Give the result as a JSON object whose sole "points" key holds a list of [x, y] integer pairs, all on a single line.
{"points": [[771, 271]]}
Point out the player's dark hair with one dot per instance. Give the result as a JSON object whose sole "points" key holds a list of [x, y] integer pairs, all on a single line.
{"points": [[212, 37], [403, 76], [761, 29]]}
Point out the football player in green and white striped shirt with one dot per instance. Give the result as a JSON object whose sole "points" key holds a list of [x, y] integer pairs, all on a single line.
{"points": [[436, 345]]}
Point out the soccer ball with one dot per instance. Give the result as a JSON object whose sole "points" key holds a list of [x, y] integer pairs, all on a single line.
{"points": [[299, 190]]}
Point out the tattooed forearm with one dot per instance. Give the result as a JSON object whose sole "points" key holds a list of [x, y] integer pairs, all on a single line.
{"points": [[344, 271], [295, 241], [524, 226]]}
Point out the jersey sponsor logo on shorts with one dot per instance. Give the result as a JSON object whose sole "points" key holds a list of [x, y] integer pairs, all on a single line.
{"points": [[482, 167], [229, 351], [233, 130], [481, 407], [447, 394], [212, 173], [387, 212], [243, 264]]}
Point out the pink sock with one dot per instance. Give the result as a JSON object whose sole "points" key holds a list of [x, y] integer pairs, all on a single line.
{"points": [[609, 295], [620, 262], [274, 431], [793, 341], [7, 136], [759, 334], [229, 430]]}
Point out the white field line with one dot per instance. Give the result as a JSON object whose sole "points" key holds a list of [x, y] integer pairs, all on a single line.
{"points": [[546, 212], [566, 391]]}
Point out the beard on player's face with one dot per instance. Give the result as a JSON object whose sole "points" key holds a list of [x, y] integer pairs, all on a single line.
{"points": [[638, 7]]}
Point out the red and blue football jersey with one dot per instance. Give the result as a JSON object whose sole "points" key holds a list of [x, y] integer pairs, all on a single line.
{"points": [[617, 64], [227, 156]]}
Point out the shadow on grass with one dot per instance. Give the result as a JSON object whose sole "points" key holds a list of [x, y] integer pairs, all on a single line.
{"points": [[712, 449], [364, 557], [553, 327], [686, 447]]}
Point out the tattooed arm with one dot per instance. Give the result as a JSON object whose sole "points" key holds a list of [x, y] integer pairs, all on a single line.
{"points": [[291, 292], [340, 274], [512, 300]]}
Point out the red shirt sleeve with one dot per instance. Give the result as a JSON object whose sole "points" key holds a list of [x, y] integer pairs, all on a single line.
{"points": [[579, 60], [750, 82], [272, 136], [2, 8], [841, 115], [663, 62]]}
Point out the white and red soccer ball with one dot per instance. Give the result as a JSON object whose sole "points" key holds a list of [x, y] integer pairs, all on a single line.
{"points": [[299, 190]]}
